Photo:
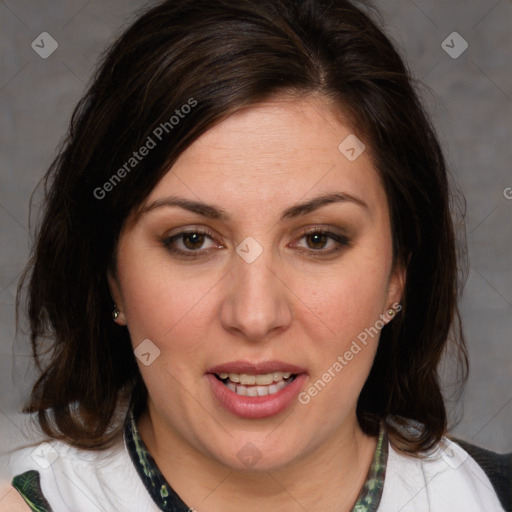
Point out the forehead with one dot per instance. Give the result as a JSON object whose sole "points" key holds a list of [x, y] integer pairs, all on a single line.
{"points": [[271, 154]]}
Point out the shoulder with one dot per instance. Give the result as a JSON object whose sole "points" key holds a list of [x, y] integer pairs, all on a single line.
{"points": [[11, 500], [68, 478], [445, 479], [497, 467]]}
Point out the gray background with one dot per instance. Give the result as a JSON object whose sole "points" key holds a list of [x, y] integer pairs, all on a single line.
{"points": [[470, 99]]}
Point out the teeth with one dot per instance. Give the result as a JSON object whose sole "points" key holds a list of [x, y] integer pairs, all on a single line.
{"points": [[256, 385], [252, 391], [264, 380], [242, 390], [273, 389], [245, 379], [258, 380], [262, 390]]}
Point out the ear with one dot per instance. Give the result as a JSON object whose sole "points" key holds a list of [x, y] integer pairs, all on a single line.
{"points": [[115, 293], [396, 286]]}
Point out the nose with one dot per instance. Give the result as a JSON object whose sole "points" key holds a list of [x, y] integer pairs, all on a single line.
{"points": [[257, 302]]}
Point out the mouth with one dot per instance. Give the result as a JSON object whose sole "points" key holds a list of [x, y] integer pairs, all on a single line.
{"points": [[256, 390], [264, 384]]}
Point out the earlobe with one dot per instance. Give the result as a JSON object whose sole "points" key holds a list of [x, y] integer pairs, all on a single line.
{"points": [[117, 310]]}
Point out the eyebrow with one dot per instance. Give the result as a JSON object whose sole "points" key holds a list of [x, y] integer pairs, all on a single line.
{"points": [[211, 211], [206, 210], [318, 202]]}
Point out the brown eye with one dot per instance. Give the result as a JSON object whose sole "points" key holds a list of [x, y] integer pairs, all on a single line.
{"points": [[322, 242], [316, 240], [191, 244], [193, 240]]}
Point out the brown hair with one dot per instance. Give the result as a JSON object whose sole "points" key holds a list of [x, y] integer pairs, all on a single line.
{"points": [[224, 56]]}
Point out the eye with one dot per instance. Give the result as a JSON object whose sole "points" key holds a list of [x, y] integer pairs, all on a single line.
{"points": [[322, 241], [191, 243]]}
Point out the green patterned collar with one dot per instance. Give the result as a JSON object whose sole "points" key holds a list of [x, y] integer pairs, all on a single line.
{"points": [[371, 492], [168, 501]]}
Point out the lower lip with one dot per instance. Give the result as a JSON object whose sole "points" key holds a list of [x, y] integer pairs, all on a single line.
{"points": [[258, 406]]}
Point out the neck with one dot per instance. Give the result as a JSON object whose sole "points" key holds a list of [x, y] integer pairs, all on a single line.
{"points": [[329, 477]]}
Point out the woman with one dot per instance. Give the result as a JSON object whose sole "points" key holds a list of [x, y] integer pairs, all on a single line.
{"points": [[247, 273]]}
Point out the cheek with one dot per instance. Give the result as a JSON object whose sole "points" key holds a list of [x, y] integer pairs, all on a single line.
{"points": [[171, 309], [349, 303], [350, 306], [350, 299]]}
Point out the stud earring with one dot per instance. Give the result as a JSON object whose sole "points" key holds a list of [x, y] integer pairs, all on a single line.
{"points": [[391, 312], [115, 313]]}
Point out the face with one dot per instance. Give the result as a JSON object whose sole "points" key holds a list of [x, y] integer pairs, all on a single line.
{"points": [[261, 264]]}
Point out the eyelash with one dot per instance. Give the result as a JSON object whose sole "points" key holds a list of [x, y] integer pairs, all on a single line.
{"points": [[168, 241], [342, 240]]}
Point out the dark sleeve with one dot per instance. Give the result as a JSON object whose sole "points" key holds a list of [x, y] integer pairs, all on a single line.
{"points": [[28, 484], [498, 468]]}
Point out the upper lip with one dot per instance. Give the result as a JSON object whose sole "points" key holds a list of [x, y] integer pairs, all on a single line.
{"points": [[258, 368]]}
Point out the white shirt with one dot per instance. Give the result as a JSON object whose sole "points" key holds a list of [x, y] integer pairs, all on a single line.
{"points": [[72, 480]]}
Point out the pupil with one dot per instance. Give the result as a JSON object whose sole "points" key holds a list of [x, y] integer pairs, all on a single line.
{"points": [[193, 240], [317, 240]]}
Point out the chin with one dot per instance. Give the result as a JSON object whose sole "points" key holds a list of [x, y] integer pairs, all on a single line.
{"points": [[256, 453]]}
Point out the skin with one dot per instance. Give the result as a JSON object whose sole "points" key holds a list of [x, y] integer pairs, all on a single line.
{"points": [[10, 499], [302, 301]]}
